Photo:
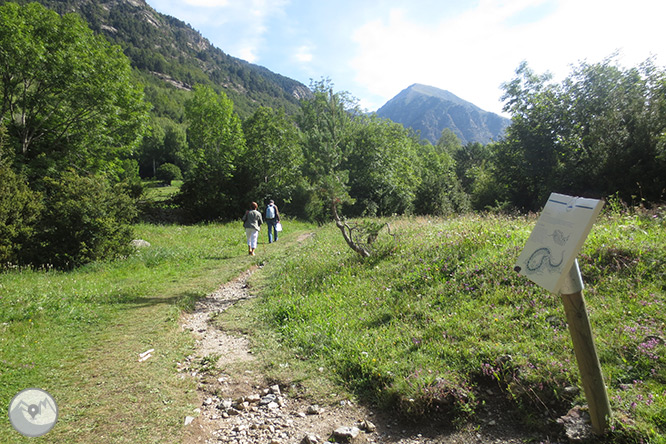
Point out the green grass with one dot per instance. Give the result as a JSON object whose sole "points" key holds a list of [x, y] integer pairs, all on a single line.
{"points": [[424, 326], [78, 334], [155, 191], [427, 326]]}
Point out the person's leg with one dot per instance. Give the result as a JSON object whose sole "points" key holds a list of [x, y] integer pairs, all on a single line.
{"points": [[248, 233], [270, 223], [255, 237]]}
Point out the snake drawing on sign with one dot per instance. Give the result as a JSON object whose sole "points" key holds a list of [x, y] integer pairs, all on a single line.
{"points": [[541, 258]]}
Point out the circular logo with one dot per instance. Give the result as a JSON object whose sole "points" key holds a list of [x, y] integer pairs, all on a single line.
{"points": [[33, 412]]}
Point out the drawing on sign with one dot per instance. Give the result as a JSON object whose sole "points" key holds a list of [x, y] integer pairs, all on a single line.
{"points": [[543, 259], [556, 239]]}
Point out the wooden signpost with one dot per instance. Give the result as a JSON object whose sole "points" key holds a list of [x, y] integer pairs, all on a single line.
{"points": [[549, 260]]}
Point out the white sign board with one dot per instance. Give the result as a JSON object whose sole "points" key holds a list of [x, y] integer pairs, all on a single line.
{"points": [[556, 240]]}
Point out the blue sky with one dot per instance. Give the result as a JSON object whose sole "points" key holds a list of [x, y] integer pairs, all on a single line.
{"points": [[375, 49]]}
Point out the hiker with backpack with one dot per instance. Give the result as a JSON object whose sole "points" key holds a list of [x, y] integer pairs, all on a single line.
{"points": [[272, 221]]}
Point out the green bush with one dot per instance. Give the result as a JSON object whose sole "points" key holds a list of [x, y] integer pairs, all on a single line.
{"points": [[19, 210], [85, 219], [129, 178], [167, 172]]}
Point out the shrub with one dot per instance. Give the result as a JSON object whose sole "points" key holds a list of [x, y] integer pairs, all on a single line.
{"points": [[129, 178], [19, 210], [85, 219], [167, 172]]}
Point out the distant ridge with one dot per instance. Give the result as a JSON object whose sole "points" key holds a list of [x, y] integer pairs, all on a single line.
{"points": [[430, 110], [169, 55]]}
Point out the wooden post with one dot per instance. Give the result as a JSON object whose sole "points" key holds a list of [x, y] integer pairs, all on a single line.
{"points": [[586, 353]]}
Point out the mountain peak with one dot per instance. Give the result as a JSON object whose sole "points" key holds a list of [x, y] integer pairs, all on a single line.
{"points": [[430, 110], [434, 92]]}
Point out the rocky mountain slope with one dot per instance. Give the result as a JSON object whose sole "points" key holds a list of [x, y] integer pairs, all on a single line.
{"points": [[170, 56], [430, 110]]}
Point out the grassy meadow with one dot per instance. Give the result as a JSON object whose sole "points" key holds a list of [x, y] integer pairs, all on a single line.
{"points": [[429, 324], [439, 316]]}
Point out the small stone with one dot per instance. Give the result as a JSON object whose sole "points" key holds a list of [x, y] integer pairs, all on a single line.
{"points": [[346, 433], [576, 424], [140, 243], [273, 406], [188, 420], [226, 404], [268, 399], [253, 398], [311, 438], [314, 410], [367, 426], [275, 389]]}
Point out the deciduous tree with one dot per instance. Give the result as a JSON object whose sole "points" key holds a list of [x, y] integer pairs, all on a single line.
{"points": [[598, 133], [67, 96], [271, 166], [326, 122], [382, 166], [216, 145]]}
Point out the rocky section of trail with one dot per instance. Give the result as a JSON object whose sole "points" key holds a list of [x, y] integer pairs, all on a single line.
{"points": [[239, 406]]}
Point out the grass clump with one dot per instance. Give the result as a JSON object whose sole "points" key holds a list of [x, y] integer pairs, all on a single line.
{"points": [[426, 327]]}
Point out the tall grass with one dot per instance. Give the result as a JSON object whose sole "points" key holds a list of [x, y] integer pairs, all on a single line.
{"points": [[427, 325]]}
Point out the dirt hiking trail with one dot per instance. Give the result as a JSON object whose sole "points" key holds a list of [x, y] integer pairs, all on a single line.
{"points": [[239, 406]]}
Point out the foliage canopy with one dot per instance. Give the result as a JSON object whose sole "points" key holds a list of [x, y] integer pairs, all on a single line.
{"points": [[71, 111], [67, 97], [599, 132]]}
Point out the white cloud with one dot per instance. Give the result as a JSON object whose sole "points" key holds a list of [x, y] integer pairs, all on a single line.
{"points": [[246, 53], [208, 3], [473, 53], [238, 27], [303, 54]]}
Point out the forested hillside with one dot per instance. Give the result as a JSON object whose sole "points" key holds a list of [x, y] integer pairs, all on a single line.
{"points": [[169, 55], [168, 59]]}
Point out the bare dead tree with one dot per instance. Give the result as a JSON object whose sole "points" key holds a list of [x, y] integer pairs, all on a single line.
{"points": [[359, 236]]}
